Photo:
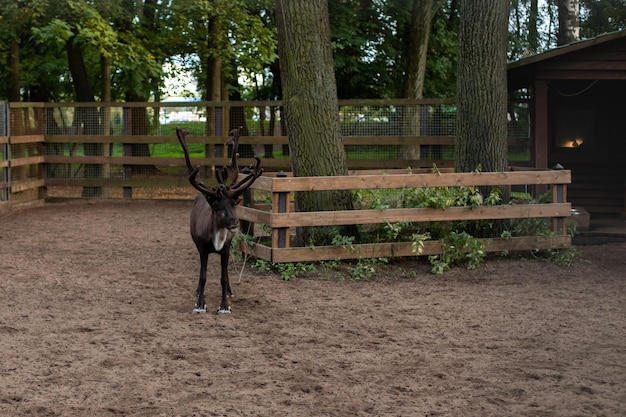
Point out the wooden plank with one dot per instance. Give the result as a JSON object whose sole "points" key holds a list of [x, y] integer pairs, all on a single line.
{"points": [[397, 163], [27, 139], [253, 215], [21, 104], [581, 75], [251, 103], [343, 217], [399, 140], [397, 102], [4, 139], [584, 65], [152, 139], [132, 139], [394, 171], [525, 243], [264, 182], [249, 140], [112, 160], [23, 185], [363, 182], [540, 149], [256, 250], [397, 249], [167, 162], [108, 182], [4, 163], [17, 162]]}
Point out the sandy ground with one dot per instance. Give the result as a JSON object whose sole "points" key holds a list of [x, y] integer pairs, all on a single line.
{"points": [[95, 320]]}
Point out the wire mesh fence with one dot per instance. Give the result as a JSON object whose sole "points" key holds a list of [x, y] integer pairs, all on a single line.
{"points": [[124, 149]]}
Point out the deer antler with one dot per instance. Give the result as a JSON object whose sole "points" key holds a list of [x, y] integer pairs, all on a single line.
{"points": [[235, 190], [193, 172], [222, 174]]}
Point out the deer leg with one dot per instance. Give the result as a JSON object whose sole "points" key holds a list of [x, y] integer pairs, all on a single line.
{"points": [[200, 306], [226, 290]]}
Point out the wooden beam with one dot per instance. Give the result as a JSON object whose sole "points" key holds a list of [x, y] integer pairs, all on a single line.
{"points": [[540, 127], [16, 162], [23, 185], [27, 139], [368, 182], [396, 249], [418, 215]]}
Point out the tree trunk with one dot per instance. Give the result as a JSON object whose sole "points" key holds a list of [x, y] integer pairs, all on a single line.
{"points": [[86, 119], [213, 81], [13, 64], [417, 49], [482, 96], [533, 34], [569, 28], [311, 106], [13, 93], [481, 87]]}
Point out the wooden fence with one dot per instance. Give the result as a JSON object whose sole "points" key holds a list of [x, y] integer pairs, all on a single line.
{"points": [[281, 219], [61, 150], [21, 157], [109, 149]]}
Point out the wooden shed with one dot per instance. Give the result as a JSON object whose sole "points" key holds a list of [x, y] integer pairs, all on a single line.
{"points": [[577, 106]]}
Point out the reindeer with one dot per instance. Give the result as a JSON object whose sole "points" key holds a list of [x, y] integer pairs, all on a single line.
{"points": [[213, 221]]}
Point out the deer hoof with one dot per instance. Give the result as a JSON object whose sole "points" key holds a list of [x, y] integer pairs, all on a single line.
{"points": [[224, 310], [197, 309]]}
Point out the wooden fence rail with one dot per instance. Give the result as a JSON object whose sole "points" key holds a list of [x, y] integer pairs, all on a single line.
{"points": [[281, 220]]}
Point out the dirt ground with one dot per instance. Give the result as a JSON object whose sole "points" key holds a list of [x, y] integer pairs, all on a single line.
{"points": [[96, 320]]}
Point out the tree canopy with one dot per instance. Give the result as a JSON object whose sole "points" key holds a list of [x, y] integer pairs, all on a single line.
{"points": [[61, 50]]}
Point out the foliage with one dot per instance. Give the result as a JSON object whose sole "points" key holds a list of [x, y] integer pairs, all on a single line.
{"points": [[368, 40], [458, 248], [290, 270], [602, 16]]}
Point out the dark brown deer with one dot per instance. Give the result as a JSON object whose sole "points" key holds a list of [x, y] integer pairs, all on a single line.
{"points": [[213, 220]]}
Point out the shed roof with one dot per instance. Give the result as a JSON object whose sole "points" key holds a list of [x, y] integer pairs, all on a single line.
{"points": [[565, 49], [601, 57]]}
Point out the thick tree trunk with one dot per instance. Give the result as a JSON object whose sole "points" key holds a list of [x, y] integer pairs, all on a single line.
{"points": [[310, 104], [481, 87], [482, 95]]}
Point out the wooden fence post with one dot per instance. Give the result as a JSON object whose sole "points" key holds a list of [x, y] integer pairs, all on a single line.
{"points": [[4, 152], [280, 202], [246, 226], [559, 195], [127, 192]]}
